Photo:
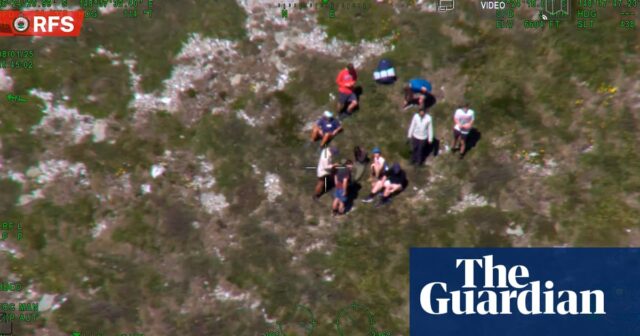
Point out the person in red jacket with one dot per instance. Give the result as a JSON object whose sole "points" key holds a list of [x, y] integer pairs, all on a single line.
{"points": [[346, 81]]}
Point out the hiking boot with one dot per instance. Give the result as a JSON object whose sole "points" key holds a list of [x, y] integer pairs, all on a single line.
{"points": [[369, 199], [455, 149], [315, 198]]}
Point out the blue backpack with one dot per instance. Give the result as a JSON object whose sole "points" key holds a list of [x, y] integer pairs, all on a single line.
{"points": [[385, 73]]}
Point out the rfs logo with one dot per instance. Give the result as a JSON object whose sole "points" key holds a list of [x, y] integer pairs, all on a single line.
{"points": [[21, 24]]}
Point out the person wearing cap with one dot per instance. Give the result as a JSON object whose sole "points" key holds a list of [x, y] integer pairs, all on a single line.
{"points": [[377, 164], [420, 136], [324, 171], [325, 129], [346, 80], [463, 120], [422, 89], [395, 181], [342, 179]]}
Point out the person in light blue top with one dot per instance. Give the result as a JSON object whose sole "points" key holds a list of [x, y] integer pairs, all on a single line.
{"points": [[418, 91]]}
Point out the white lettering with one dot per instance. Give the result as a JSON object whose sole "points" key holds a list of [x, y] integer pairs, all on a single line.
{"points": [[425, 299], [488, 273], [526, 302], [490, 305], [586, 301], [53, 22], [67, 24], [568, 306], [513, 276], [38, 23], [468, 271], [535, 300], [548, 298], [493, 4]]}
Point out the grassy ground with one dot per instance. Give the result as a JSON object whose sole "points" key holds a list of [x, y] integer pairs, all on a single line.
{"points": [[526, 87]]}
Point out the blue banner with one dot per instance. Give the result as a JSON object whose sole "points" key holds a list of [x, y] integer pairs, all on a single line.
{"points": [[524, 291]]}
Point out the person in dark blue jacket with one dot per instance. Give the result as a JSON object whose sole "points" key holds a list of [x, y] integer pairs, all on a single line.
{"points": [[325, 129]]}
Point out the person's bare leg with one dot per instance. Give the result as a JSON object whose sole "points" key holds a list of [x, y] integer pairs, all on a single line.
{"points": [[316, 133], [408, 96], [377, 187], [462, 145], [456, 140], [341, 207], [325, 139], [320, 187], [390, 190], [352, 106], [374, 182]]}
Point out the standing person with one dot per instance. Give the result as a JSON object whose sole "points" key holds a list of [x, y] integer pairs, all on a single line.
{"points": [[377, 164], [324, 171], [342, 180], [422, 89], [420, 135], [326, 129], [463, 120], [346, 81]]}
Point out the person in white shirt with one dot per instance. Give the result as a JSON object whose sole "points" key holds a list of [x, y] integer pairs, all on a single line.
{"points": [[324, 170], [463, 122], [420, 135]]}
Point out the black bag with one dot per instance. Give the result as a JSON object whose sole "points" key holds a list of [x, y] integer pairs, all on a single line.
{"points": [[385, 73]]}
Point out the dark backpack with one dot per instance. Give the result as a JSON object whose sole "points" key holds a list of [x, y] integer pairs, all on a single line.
{"points": [[385, 73], [360, 155]]}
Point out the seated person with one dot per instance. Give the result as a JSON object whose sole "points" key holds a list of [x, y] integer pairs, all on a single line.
{"points": [[418, 91], [377, 164], [325, 129], [346, 80], [342, 180], [393, 180]]}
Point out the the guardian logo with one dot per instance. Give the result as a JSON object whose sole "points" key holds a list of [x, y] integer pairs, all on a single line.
{"points": [[494, 289], [524, 291]]}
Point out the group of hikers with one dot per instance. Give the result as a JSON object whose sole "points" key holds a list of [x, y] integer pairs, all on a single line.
{"points": [[386, 179]]}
